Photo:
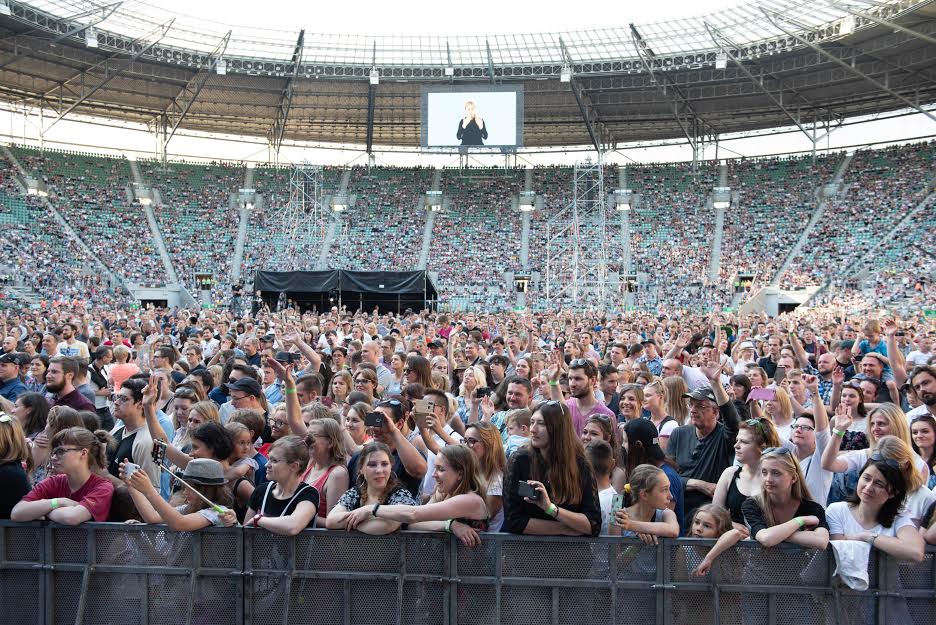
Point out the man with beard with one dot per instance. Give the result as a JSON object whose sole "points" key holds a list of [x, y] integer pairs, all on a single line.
{"points": [[71, 346], [583, 380], [519, 394], [923, 381], [60, 384]]}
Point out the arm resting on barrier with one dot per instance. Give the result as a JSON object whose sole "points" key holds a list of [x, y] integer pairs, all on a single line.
{"points": [[287, 525], [906, 545], [461, 506], [725, 542], [338, 520]]}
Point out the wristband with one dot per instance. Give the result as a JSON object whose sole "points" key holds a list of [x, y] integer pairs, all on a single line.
{"points": [[448, 526], [553, 510], [839, 433], [553, 383], [53, 503], [374, 511], [289, 391], [257, 518], [799, 521]]}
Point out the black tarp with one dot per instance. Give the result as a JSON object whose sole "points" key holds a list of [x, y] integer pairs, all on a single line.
{"points": [[387, 290]]}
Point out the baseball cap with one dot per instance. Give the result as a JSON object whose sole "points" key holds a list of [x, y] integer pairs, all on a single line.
{"points": [[269, 337], [643, 431], [204, 471], [703, 393], [246, 385], [9, 358]]}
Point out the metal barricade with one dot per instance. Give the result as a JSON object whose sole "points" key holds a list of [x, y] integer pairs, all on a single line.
{"points": [[101, 573]]}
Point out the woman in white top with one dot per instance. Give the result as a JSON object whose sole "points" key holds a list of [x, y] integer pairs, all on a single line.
{"points": [[655, 403], [873, 513], [484, 439]]}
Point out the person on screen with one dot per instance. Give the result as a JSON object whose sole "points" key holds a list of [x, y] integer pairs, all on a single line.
{"points": [[471, 128]]}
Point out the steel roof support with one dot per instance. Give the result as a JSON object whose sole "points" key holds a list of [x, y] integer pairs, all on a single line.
{"points": [[882, 22], [111, 71], [179, 107], [774, 17], [587, 108], [275, 136], [490, 59], [105, 12], [371, 97]]}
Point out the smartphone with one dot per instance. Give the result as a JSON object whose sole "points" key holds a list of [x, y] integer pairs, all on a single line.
{"points": [[484, 391], [779, 374], [131, 468], [374, 419], [422, 409], [524, 489], [159, 451], [764, 394], [617, 503]]}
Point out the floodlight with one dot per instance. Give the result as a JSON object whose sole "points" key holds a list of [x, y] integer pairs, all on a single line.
{"points": [[374, 76], [721, 205], [565, 75], [221, 67], [450, 71], [91, 37], [145, 201], [622, 199], [847, 25], [721, 60], [339, 207], [4, 7]]}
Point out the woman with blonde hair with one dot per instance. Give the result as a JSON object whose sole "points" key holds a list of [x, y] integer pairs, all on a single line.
{"points": [[196, 414], [676, 404], [780, 411], [15, 461], [655, 400], [326, 472], [473, 379], [484, 439], [919, 497], [784, 509]]}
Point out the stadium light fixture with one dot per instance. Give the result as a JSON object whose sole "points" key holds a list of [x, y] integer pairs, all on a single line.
{"points": [[565, 74], [622, 199], [5, 7], [91, 37], [721, 205], [721, 61], [145, 201], [847, 25], [449, 71], [221, 66], [374, 76]]}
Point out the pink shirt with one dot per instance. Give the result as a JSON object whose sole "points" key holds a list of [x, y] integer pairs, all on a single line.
{"points": [[579, 419]]}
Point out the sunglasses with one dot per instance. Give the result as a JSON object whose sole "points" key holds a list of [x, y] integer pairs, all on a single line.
{"points": [[776, 451], [888, 461], [579, 362]]}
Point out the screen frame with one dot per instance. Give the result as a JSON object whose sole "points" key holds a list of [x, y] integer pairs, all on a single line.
{"points": [[516, 88]]}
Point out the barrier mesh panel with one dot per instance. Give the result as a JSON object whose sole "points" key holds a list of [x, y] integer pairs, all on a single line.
{"points": [[584, 606], [22, 544], [423, 604], [19, 604], [530, 559], [66, 590], [476, 605], [70, 545], [522, 605], [375, 602], [636, 607], [918, 575], [426, 554], [691, 607]]}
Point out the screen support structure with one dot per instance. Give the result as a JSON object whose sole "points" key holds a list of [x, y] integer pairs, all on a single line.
{"points": [[576, 250], [302, 220]]}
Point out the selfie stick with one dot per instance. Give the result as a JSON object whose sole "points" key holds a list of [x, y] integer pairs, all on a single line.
{"points": [[158, 454]]}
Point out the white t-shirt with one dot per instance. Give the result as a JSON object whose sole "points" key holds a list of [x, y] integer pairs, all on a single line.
{"points": [[917, 503], [918, 358], [496, 489], [605, 497], [919, 411], [856, 458], [818, 480], [842, 521]]}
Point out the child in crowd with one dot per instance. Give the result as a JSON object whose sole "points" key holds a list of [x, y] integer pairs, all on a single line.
{"points": [[601, 457], [518, 429], [242, 463]]}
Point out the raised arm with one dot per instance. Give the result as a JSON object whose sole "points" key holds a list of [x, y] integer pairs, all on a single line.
{"points": [[293, 409], [831, 461]]}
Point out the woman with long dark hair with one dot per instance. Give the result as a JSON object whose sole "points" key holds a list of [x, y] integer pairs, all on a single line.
{"points": [[554, 467]]}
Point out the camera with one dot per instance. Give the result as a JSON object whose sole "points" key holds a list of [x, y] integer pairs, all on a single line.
{"points": [[286, 357], [484, 391], [374, 419]]}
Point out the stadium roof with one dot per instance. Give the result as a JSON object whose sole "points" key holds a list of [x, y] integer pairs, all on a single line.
{"points": [[753, 66]]}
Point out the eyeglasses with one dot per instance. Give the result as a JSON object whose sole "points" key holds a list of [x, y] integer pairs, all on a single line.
{"points": [[776, 451], [58, 452], [803, 427], [117, 399], [470, 442], [888, 461], [278, 424], [358, 381]]}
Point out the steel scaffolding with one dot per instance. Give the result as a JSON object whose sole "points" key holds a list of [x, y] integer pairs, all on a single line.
{"points": [[576, 250], [302, 221]]}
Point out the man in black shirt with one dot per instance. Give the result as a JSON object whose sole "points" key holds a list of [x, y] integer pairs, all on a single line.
{"points": [[769, 362], [705, 447]]}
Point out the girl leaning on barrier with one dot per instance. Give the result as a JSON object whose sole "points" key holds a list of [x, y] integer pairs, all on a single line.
{"points": [[552, 467], [188, 512], [326, 471], [285, 505], [484, 439], [376, 484], [75, 494], [737, 483], [457, 505], [784, 509], [646, 514], [15, 460], [874, 513]]}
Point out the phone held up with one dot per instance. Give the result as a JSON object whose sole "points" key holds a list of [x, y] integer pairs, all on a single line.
{"points": [[525, 489]]}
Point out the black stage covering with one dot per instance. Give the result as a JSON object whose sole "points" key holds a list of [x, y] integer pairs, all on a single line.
{"points": [[387, 290]]}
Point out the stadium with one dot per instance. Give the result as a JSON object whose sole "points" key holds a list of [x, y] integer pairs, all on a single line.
{"points": [[719, 225]]}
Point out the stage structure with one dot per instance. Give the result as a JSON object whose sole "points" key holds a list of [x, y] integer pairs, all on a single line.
{"points": [[358, 290], [302, 222], [576, 249]]}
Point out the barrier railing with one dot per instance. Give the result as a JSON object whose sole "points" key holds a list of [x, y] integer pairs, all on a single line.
{"points": [[102, 573]]}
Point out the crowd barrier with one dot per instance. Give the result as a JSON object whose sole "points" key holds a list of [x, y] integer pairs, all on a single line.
{"points": [[103, 573]]}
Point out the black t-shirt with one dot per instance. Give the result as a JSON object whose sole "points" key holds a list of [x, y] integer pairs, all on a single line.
{"points": [[411, 483], [123, 452], [283, 507], [13, 486], [754, 516]]}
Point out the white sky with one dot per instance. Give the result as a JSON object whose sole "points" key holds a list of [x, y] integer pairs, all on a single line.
{"points": [[422, 16]]}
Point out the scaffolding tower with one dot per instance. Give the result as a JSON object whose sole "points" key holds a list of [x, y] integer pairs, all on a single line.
{"points": [[301, 222], [576, 250]]}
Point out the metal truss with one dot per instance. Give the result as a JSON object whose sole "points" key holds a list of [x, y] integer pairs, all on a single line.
{"points": [[175, 113], [576, 247], [302, 221], [282, 113]]}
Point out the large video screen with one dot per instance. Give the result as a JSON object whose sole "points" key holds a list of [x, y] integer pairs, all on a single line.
{"points": [[472, 117]]}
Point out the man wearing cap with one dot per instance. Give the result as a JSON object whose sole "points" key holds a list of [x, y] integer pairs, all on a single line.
{"points": [[11, 386], [244, 394], [705, 448]]}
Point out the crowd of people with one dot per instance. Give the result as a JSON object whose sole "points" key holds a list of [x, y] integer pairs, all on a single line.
{"points": [[476, 241], [805, 428]]}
